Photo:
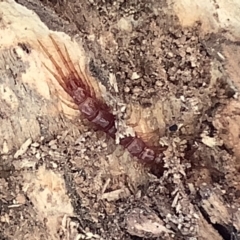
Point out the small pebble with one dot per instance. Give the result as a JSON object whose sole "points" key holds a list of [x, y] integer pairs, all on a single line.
{"points": [[135, 76], [126, 89]]}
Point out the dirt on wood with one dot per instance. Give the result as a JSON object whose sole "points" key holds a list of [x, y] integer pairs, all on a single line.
{"points": [[81, 185]]}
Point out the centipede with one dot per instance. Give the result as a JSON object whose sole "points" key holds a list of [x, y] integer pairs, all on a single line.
{"points": [[76, 85]]}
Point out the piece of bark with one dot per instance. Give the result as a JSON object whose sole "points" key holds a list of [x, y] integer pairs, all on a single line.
{"points": [[143, 222], [218, 211]]}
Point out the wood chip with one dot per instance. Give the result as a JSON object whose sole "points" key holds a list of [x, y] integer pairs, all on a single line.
{"points": [[23, 148]]}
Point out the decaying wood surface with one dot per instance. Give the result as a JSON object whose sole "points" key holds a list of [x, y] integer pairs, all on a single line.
{"points": [[29, 104], [35, 109]]}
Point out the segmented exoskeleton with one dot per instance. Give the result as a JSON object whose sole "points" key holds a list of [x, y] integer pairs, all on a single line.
{"points": [[75, 83]]}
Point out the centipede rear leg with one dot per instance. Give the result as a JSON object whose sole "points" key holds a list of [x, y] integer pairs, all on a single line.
{"points": [[60, 76], [73, 76]]}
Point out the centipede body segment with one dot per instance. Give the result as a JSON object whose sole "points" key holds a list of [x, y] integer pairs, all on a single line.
{"points": [[77, 85]]}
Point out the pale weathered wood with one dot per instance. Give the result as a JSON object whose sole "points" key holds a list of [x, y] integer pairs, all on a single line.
{"points": [[30, 95], [214, 16]]}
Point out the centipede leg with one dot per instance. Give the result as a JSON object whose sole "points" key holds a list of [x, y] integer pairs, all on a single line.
{"points": [[68, 62], [60, 78], [70, 66], [76, 74], [89, 85], [70, 104]]}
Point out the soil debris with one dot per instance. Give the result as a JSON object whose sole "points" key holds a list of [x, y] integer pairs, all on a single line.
{"points": [[81, 185]]}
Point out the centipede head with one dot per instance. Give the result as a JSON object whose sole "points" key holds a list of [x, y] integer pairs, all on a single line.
{"points": [[78, 94], [75, 81]]}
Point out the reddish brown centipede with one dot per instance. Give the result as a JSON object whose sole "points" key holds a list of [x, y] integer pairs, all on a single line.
{"points": [[92, 108]]}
